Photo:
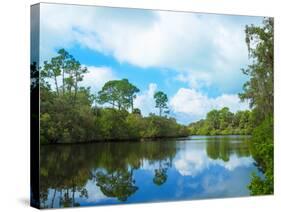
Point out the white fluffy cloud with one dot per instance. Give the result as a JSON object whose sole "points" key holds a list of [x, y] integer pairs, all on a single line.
{"points": [[162, 39], [145, 101], [97, 77], [192, 163], [195, 79], [174, 40], [94, 193], [192, 102]]}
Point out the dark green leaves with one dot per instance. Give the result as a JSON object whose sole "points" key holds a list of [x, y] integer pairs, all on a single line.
{"points": [[118, 93]]}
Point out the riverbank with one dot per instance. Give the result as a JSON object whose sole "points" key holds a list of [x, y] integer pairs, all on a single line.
{"points": [[131, 140], [107, 124]]}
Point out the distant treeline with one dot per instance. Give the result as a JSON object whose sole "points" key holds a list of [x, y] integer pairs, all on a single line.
{"points": [[70, 113], [223, 122]]}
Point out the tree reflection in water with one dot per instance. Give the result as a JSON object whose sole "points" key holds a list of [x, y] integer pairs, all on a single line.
{"points": [[67, 170], [119, 184], [219, 147]]}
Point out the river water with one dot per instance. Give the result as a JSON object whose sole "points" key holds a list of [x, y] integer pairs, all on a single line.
{"points": [[196, 167]]}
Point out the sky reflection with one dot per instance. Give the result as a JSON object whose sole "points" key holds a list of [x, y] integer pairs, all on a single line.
{"points": [[196, 168]]}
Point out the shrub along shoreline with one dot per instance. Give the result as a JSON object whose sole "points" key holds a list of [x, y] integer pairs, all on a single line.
{"points": [[131, 140], [110, 125]]}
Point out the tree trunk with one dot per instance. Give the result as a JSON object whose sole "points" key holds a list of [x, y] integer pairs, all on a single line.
{"points": [[53, 199], [62, 81], [56, 83], [132, 104], [76, 88], [73, 192]]}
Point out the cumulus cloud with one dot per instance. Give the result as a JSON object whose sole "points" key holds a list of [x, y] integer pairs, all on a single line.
{"points": [[193, 162], [145, 101], [97, 77], [94, 192], [173, 40], [195, 79], [195, 103]]}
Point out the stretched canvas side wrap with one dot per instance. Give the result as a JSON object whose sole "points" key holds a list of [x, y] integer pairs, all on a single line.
{"points": [[141, 106]]}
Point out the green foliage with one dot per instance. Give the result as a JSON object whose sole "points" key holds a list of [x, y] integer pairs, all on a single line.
{"points": [[160, 176], [136, 111], [262, 151], [135, 124], [120, 93], [113, 124], [259, 186], [118, 184], [160, 127], [66, 67], [223, 122], [220, 147]]}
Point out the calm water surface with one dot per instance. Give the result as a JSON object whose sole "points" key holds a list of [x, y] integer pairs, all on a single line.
{"points": [[197, 167]]}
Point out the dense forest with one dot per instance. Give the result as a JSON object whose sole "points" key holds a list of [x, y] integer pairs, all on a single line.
{"points": [[70, 113], [223, 122]]}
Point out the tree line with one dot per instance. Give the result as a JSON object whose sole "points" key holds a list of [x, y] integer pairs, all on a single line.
{"points": [[70, 113], [223, 122]]}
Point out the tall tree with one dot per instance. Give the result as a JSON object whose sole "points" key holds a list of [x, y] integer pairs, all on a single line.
{"points": [[63, 60], [65, 66], [120, 93], [161, 100], [259, 89], [76, 73], [213, 119], [130, 92], [108, 93], [52, 70], [225, 117]]}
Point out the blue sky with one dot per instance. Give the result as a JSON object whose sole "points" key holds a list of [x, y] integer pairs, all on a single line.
{"points": [[195, 58]]}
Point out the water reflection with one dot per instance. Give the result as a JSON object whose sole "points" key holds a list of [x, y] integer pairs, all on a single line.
{"points": [[112, 173]]}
